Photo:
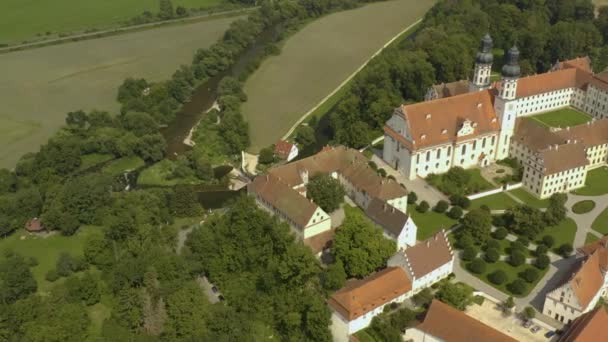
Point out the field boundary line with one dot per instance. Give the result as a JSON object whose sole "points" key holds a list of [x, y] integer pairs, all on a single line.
{"points": [[348, 79], [125, 29]]}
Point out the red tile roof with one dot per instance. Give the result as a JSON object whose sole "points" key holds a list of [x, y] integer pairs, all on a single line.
{"points": [[437, 122], [34, 225], [451, 325], [590, 327], [587, 280], [282, 148], [428, 255], [359, 297]]}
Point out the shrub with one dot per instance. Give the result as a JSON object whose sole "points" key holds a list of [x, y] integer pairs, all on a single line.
{"points": [[32, 262], [441, 206], [485, 208], [517, 246], [423, 207], [372, 165], [493, 244], [412, 198], [499, 221], [266, 155], [542, 262], [583, 207], [461, 201], [529, 312], [477, 266], [541, 250], [500, 233], [492, 255], [565, 250], [524, 241], [498, 277], [51, 275], [455, 213], [469, 253], [518, 287], [548, 241], [479, 300], [517, 258], [382, 173], [465, 240], [530, 275]]}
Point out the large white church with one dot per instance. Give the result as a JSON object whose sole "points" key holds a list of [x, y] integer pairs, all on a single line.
{"points": [[473, 123]]}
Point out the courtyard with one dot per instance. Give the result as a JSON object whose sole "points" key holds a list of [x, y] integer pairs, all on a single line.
{"points": [[565, 117]]}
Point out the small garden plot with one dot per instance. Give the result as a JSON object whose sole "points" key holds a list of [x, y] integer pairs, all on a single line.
{"points": [[563, 233], [511, 274], [565, 117], [458, 181], [600, 224], [595, 183], [583, 207], [429, 222]]}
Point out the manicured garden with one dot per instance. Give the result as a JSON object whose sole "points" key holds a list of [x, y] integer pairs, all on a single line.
{"points": [[600, 224], [564, 117], [563, 233], [590, 238], [595, 183], [583, 207], [512, 275], [499, 201], [529, 199], [458, 181]]}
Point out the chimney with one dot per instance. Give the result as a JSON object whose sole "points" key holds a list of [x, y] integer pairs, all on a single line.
{"points": [[435, 237], [428, 116], [428, 243], [479, 104], [556, 147]]}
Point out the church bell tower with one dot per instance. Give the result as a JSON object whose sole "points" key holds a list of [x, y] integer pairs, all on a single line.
{"points": [[483, 66]]}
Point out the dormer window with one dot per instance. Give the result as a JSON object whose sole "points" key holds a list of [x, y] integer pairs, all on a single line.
{"points": [[493, 120], [444, 131], [423, 136], [428, 116]]}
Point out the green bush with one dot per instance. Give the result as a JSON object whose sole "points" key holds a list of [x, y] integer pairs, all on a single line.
{"points": [[498, 277], [517, 246], [469, 253], [492, 255], [518, 287], [493, 244], [51, 275], [479, 300], [372, 165], [412, 198], [382, 173], [541, 250], [441, 206], [477, 266], [530, 274], [517, 258], [565, 250], [423, 207], [461, 201], [548, 241], [500, 233], [583, 207], [542, 261], [524, 241], [455, 213]]}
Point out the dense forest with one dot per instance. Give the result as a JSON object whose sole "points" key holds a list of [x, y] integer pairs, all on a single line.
{"points": [[444, 48]]}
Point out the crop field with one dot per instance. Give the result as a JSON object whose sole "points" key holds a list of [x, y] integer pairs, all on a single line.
{"points": [[316, 60], [25, 19], [38, 87]]}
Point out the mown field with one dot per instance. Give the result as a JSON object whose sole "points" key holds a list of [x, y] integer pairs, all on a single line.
{"points": [[318, 59], [38, 87], [25, 19]]}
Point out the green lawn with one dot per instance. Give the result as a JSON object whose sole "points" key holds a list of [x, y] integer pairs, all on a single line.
{"points": [[589, 238], [429, 223], [495, 202], [89, 160], [46, 250], [159, 175], [24, 20], [317, 60], [121, 165], [562, 233], [600, 224], [364, 336], [512, 274], [595, 183], [530, 199], [39, 86], [562, 118], [583, 207]]}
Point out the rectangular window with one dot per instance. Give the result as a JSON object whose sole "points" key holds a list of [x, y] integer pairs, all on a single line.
{"points": [[438, 153], [464, 149]]}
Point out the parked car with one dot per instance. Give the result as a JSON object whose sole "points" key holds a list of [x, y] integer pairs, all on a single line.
{"points": [[550, 334], [527, 324], [535, 329]]}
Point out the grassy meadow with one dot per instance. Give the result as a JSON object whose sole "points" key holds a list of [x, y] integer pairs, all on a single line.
{"points": [[316, 60], [26, 19], [38, 87]]}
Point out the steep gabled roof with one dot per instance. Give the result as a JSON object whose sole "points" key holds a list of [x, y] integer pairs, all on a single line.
{"points": [[590, 327], [285, 199], [282, 148], [451, 325], [428, 255], [583, 63], [437, 122], [587, 279], [564, 157], [386, 216], [361, 296]]}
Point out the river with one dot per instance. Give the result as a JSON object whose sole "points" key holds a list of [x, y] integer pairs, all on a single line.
{"points": [[205, 95]]}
